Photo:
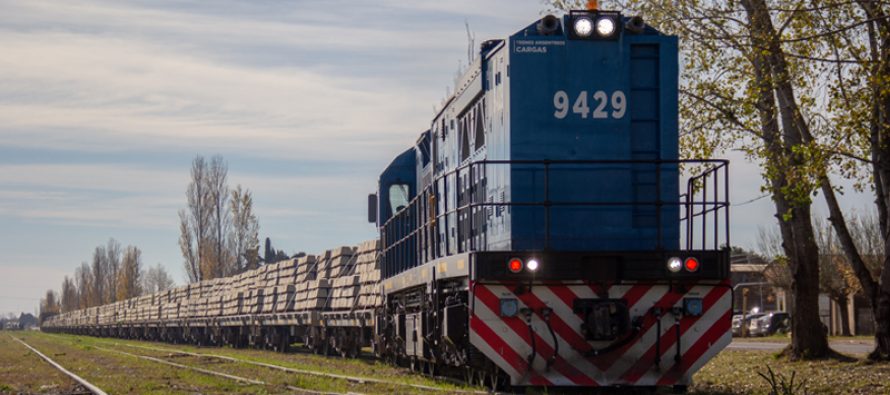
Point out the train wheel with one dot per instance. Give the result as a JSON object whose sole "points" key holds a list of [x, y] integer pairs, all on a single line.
{"points": [[469, 376], [327, 347]]}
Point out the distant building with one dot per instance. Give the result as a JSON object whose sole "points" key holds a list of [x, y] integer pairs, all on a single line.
{"points": [[12, 325], [752, 290], [747, 272]]}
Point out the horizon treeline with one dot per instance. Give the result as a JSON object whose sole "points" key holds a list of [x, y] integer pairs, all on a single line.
{"points": [[114, 273]]}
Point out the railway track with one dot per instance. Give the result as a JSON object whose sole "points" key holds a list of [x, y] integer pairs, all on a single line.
{"points": [[80, 380], [221, 374], [354, 379]]}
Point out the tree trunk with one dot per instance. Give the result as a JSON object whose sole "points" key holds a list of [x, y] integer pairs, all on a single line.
{"points": [[844, 308], [808, 339], [879, 47]]}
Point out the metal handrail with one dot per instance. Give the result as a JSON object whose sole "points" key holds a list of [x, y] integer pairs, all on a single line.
{"points": [[413, 218]]}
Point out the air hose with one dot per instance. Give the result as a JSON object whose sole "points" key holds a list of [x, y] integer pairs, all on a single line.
{"points": [[531, 334], [546, 313]]}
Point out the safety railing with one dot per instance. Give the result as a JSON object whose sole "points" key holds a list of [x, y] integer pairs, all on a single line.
{"points": [[425, 229]]}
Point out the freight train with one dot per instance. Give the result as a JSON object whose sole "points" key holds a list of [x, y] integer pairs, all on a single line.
{"points": [[542, 232]]}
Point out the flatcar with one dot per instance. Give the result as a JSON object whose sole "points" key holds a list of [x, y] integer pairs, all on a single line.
{"points": [[543, 231]]}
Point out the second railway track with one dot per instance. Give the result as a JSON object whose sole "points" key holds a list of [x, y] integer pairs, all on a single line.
{"points": [[80, 380], [351, 378]]}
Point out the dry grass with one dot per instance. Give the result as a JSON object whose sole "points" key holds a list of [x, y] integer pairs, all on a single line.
{"points": [[120, 374], [731, 372], [735, 372], [355, 367], [279, 381], [22, 371]]}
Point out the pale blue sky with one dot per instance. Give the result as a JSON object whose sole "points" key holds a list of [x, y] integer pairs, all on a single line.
{"points": [[103, 105]]}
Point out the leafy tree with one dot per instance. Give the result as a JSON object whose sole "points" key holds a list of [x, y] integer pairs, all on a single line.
{"points": [[269, 254]]}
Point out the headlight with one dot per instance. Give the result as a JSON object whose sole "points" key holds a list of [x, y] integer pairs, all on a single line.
{"points": [[675, 264], [605, 26], [532, 264], [583, 27]]}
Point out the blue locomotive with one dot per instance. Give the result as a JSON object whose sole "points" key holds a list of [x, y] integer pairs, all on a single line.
{"points": [[537, 233]]}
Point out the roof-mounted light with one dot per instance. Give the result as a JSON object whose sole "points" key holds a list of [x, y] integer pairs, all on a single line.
{"points": [[605, 26], [583, 26]]}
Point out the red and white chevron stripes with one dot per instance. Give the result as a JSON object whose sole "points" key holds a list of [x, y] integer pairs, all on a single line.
{"points": [[508, 342]]}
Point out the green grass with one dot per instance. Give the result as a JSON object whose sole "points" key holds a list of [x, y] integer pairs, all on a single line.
{"points": [[785, 338], [332, 365], [277, 379], [117, 373], [731, 372], [22, 371]]}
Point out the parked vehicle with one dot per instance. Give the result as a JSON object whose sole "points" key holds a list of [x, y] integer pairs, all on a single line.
{"points": [[737, 322], [770, 323]]}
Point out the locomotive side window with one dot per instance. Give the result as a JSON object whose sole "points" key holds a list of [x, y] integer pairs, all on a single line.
{"points": [[463, 132], [480, 124], [398, 197]]}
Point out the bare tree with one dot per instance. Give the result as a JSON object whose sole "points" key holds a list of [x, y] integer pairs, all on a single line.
{"points": [[129, 284], [113, 262], [244, 238], [100, 274], [49, 305], [69, 295], [777, 272], [836, 277], [156, 279], [195, 221], [218, 195], [83, 277]]}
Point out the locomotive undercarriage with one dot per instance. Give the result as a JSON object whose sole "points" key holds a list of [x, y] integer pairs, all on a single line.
{"points": [[426, 328]]}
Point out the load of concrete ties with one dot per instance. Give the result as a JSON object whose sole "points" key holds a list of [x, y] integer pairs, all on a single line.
{"points": [[340, 279]]}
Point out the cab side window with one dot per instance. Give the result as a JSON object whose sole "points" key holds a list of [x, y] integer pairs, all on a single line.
{"points": [[398, 197]]}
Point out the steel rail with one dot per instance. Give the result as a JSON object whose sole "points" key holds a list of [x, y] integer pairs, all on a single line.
{"points": [[92, 388], [355, 379], [215, 373]]}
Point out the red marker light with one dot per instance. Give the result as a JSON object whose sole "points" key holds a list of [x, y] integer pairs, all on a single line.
{"points": [[691, 264], [515, 265]]}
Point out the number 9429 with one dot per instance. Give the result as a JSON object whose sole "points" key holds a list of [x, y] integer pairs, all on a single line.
{"points": [[605, 106]]}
